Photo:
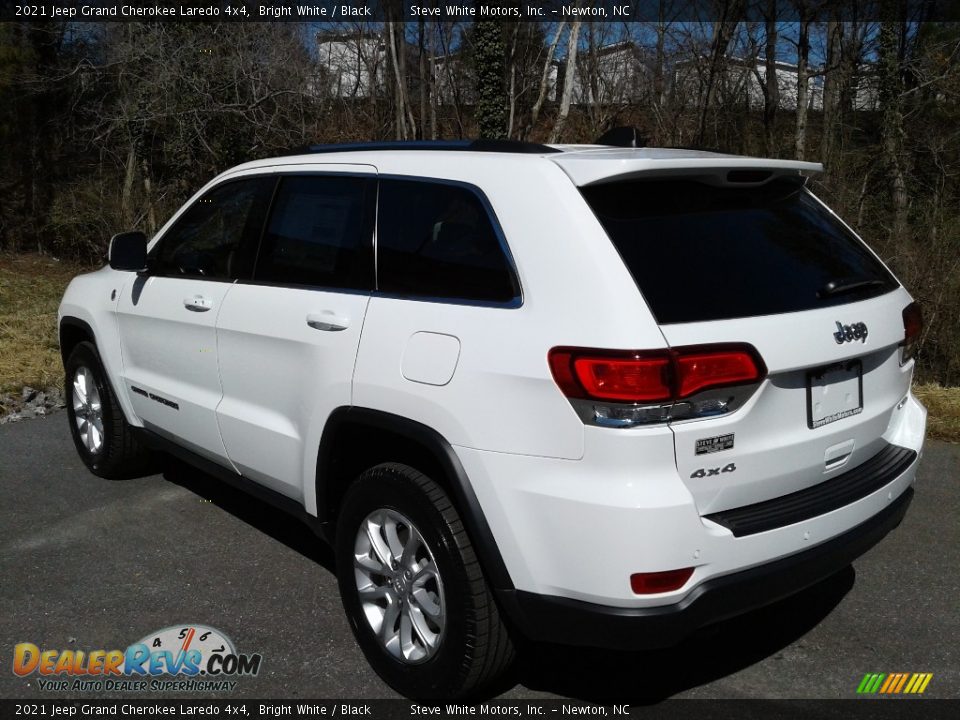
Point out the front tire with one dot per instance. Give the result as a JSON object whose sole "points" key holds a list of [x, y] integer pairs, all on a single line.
{"points": [[104, 439], [413, 589]]}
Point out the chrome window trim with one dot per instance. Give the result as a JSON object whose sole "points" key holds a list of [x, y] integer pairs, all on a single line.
{"points": [[512, 304]]}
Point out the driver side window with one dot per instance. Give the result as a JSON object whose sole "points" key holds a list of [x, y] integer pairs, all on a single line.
{"points": [[216, 238]]}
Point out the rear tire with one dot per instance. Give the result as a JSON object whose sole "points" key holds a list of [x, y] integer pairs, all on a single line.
{"points": [[426, 620], [104, 439]]}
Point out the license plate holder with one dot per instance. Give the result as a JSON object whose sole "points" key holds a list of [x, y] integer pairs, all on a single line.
{"points": [[834, 392]]}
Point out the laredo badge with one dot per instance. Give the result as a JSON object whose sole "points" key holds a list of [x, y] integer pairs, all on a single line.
{"points": [[714, 444]]}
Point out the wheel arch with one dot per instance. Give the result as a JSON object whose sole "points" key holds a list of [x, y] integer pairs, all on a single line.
{"points": [[355, 439], [72, 332]]}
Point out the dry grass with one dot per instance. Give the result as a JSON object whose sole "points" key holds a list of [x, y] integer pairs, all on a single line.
{"points": [[31, 287], [943, 407], [30, 290]]}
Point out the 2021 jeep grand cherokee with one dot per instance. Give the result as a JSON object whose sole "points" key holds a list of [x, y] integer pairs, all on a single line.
{"points": [[591, 395]]}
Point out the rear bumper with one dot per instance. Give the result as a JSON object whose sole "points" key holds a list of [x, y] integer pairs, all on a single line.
{"points": [[588, 624]]}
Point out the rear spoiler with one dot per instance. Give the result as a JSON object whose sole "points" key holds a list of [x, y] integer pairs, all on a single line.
{"points": [[603, 166]]}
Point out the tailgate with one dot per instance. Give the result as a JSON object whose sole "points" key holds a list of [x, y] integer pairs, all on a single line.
{"points": [[821, 411], [767, 264]]}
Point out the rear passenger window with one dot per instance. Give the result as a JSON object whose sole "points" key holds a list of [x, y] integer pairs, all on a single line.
{"points": [[320, 233], [438, 240]]}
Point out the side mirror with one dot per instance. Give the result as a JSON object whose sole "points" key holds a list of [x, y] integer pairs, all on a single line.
{"points": [[128, 251]]}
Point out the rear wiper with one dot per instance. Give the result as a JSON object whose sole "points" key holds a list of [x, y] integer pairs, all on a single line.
{"points": [[842, 285]]}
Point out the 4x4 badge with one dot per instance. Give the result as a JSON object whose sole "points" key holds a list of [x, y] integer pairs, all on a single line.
{"points": [[851, 332], [707, 472]]}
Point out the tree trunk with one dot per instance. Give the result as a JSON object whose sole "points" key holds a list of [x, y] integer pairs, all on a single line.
{"points": [[659, 83], [831, 89], [422, 75], [771, 88], [723, 31], [571, 70], [843, 59], [512, 84], [491, 96], [126, 194], [590, 80], [406, 125], [891, 105], [148, 197], [452, 84], [432, 85], [544, 80], [803, 85]]}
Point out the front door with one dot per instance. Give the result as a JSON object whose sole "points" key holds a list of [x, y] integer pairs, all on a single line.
{"points": [[167, 319]]}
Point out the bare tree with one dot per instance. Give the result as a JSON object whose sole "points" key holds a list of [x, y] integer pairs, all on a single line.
{"points": [[770, 83], [841, 91], [803, 78], [448, 76], [397, 48], [568, 81], [544, 85], [659, 69], [731, 12], [891, 104]]}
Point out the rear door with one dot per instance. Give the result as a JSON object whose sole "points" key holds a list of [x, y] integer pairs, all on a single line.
{"points": [[768, 265], [288, 337], [167, 320]]}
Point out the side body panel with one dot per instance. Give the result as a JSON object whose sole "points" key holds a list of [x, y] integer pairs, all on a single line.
{"points": [[92, 300]]}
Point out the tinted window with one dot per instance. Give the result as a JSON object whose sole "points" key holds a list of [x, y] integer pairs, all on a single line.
{"points": [[437, 240], [217, 236], [700, 252], [320, 233]]}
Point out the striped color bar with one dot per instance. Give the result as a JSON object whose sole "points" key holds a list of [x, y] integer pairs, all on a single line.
{"points": [[894, 683]]}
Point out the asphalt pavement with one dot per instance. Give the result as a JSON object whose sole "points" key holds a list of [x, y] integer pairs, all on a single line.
{"points": [[91, 564]]}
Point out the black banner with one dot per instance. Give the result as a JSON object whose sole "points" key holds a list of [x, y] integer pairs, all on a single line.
{"points": [[917, 708], [610, 11]]}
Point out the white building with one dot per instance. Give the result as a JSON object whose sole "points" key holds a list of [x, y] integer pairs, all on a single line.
{"points": [[351, 65], [614, 74], [453, 80], [740, 81], [455, 83], [865, 90]]}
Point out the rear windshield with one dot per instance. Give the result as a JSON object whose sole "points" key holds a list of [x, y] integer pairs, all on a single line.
{"points": [[700, 252]]}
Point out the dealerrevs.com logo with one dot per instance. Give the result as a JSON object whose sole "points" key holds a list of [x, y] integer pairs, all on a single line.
{"points": [[181, 658]]}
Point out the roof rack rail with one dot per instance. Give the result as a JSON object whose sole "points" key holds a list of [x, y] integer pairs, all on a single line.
{"points": [[503, 146], [698, 148], [623, 136], [630, 137]]}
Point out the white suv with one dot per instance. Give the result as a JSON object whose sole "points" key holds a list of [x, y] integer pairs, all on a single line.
{"points": [[596, 396]]}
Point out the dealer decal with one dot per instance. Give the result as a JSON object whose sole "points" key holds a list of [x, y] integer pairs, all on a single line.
{"points": [[714, 444]]}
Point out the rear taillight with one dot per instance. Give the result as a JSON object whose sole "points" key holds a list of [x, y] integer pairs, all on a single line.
{"points": [[698, 371], [626, 388], [912, 329], [621, 377]]}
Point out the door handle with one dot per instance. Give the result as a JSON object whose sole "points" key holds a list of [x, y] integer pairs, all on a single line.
{"points": [[327, 320], [198, 303]]}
